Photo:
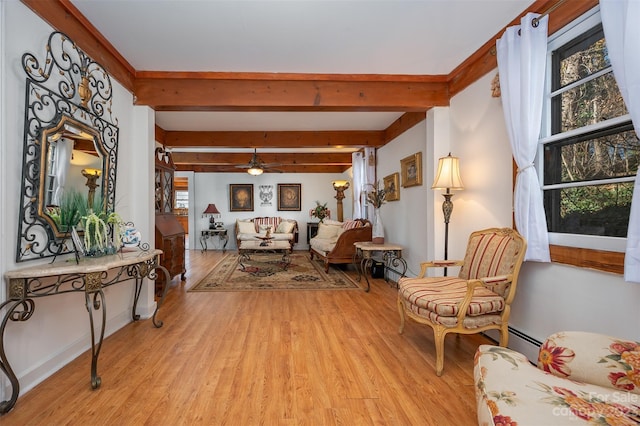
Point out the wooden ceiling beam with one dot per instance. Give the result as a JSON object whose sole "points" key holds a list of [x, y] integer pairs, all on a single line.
{"points": [[66, 18], [273, 139], [284, 158], [288, 92], [283, 169], [484, 60]]}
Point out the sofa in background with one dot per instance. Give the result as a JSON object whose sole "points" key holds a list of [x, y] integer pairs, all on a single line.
{"points": [[281, 229], [581, 378], [334, 241]]}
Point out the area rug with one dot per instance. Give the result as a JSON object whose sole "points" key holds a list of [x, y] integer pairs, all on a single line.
{"points": [[264, 272]]}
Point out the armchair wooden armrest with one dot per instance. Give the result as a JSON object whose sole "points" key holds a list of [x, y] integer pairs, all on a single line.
{"points": [[438, 264], [464, 305]]}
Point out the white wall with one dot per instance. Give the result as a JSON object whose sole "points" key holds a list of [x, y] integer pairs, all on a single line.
{"points": [[550, 297], [214, 188], [58, 331], [408, 221]]}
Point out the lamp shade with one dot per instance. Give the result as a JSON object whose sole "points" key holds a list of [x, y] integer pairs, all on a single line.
{"points": [[211, 209], [448, 176], [340, 184], [255, 171]]}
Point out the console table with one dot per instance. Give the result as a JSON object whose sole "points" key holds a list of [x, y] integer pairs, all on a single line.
{"points": [[389, 254], [91, 276], [221, 233]]}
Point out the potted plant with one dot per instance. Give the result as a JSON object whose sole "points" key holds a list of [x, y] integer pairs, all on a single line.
{"points": [[320, 211]]}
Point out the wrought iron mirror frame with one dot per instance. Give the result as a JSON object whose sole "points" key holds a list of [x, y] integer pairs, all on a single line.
{"points": [[68, 87]]}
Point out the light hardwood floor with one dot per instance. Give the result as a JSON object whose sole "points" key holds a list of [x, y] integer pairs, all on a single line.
{"points": [[270, 357]]}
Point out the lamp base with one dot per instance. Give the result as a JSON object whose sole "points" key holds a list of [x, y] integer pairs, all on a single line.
{"points": [[377, 240]]}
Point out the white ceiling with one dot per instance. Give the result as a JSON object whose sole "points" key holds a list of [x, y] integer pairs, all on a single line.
{"points": [[424, 37]]}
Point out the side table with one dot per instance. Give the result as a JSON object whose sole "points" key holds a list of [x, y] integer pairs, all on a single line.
{"points": [[220, 233], [389, 254], [312, 230]]}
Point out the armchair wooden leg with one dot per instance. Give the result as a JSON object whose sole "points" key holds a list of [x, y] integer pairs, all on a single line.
{"points": [[401, 310], [439, 335], [504, 336]]}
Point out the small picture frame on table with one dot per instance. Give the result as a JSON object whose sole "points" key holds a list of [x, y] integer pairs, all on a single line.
{"points": [[78, 245]]}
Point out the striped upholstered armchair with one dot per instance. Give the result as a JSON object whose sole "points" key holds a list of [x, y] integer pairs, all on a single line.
{"points": [[478, 299]]}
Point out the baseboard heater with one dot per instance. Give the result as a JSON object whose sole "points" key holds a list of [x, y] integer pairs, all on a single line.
{"points": [[519, 341], [525, 337]]}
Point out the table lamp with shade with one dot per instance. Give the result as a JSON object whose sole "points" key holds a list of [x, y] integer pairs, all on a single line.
{"points": [[213, 213]]}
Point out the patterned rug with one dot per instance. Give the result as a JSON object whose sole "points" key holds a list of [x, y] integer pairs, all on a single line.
{"points": [[264, 272]]}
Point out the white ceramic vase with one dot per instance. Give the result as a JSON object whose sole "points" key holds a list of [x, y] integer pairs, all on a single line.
{"points": [[377, 232]]}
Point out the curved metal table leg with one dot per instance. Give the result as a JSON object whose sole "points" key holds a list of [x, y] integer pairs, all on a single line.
{"points": [[15, 314], [365, 264], [96, 301], [167, 280]]}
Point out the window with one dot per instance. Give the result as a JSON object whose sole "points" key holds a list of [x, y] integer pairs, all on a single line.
{"points": [[589, 152], [182, 199]]}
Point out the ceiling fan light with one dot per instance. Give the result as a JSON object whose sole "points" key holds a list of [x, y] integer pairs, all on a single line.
{"points": [[255, 171]]}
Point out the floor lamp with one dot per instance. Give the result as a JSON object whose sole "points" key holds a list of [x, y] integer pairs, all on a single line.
{"points": [[448, 179], [340, 186]]}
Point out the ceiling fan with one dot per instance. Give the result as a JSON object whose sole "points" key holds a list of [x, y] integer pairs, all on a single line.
{"points": [[257, 167]]}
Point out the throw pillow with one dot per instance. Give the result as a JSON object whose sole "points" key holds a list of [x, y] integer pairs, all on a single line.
{"points": [[327, 231], [246, 227], [264, 228], [285, 227], [271, 221], [331, 222], [351, 224]]}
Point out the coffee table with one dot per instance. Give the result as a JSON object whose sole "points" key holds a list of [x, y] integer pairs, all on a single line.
{"points": [[248, 248]]}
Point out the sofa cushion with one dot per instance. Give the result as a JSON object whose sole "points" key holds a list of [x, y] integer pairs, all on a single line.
{"points": [[328, 231], [594, 358], [351, 224], [269, 221], [443, 295], [285, 227], [246, 227], [322, 245], [264, 228]]}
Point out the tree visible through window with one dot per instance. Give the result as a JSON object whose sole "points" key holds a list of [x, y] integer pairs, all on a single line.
{"points": [[591, 157]]}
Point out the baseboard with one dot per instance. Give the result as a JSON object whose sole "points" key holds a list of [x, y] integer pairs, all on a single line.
{"points": [[519, 341], [37, 374]]}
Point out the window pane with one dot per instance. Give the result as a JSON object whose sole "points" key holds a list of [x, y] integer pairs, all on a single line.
{"points": [[182, 199], [590, 210], [601, 157], [589, 103], [582, 58]]}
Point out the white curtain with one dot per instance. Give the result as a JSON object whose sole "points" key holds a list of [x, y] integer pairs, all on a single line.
{"points": [[364, 175], [64, 149], [370, 178], [522, 54], [621, 23], [357, 166]]}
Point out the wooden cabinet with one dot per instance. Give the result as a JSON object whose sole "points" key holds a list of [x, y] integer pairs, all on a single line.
{"points": [[184, 221], [170, 235]]}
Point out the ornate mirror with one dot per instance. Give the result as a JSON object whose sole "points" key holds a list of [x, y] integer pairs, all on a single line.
{"points": [[70, 149]]}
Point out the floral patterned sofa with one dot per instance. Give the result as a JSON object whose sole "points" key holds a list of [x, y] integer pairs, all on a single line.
{"points": [[581, 378]]}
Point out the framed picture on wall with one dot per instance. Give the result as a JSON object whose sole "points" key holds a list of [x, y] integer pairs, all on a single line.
{"points": [[392, 187], [411, 167], [289, 196], [241, 197]]}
